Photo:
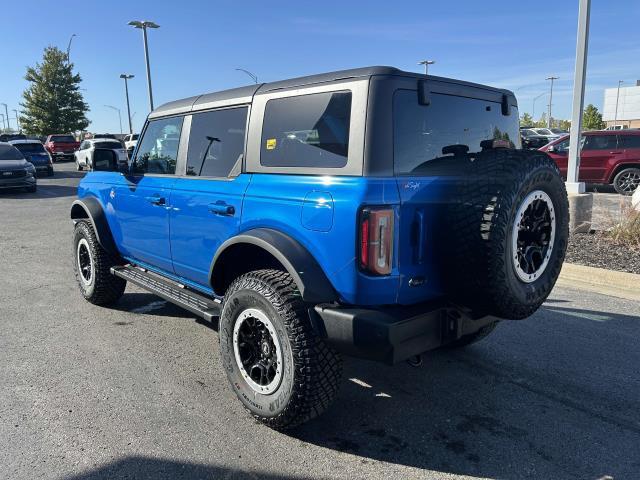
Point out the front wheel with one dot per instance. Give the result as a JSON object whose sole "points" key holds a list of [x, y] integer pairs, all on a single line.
{"points": [[627, 181], [279, 368]]}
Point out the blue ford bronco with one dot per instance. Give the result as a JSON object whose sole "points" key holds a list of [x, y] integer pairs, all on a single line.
{"points": [[369, 212]]}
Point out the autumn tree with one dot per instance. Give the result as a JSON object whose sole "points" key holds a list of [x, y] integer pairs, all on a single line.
{"points": [[52, 101]]}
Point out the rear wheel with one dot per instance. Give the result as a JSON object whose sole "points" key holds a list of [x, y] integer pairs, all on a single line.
{"points": [[281, 370], [92, 265], [627, 181]]}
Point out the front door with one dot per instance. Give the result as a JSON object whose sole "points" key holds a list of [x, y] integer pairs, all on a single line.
{"points": [[206, 203], [144, 196]]}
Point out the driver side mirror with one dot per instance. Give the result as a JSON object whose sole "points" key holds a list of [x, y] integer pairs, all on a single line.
{"points": [[105, 160], [551, 148]]}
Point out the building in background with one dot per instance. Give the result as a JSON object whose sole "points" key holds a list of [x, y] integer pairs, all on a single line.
{"points": [[628, 106]]}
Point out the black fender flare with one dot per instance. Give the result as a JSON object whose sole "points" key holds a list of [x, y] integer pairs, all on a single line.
{"points": [[90, 208], [312, 282]]}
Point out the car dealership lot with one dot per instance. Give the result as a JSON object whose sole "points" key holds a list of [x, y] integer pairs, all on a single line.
{"points": [[137, 391]]}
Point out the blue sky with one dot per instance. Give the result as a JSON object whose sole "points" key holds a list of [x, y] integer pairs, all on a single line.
{"points": [[503, 43]]}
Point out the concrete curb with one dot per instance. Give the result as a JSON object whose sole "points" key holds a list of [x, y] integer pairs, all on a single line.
{"points": [[600, 280]]}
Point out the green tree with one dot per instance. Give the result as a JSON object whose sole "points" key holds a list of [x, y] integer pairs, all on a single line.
{"points": [[526, 120], [592, 118], [52, 101]]}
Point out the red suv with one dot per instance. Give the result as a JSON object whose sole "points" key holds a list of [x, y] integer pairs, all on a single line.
{"points": [[61, 146], [611, 157]]}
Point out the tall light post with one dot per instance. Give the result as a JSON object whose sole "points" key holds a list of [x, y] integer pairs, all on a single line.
{"points": [[17, 118], [550, 99], [253, 77], [69, 47], [534, 104], [6, 112], [615, 118], [426, 64], [144, 25], [119, 115], [4, 125], [127, 77]]}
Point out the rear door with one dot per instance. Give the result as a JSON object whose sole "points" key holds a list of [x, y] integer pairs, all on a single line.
{"points": [[429, 142], [143, 196], [206, 203], [598, 150]]}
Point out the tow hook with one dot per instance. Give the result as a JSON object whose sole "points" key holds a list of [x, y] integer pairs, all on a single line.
{"points": [[415, 361]]}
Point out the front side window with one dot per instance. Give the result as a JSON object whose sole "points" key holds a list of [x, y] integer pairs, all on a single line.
{"points": [[562, 146], [216, 142], [158, 150], [307, 131], [601, 142], [449, 125]]}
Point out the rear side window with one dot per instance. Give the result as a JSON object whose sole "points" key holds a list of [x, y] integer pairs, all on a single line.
{"points": [[448, 125], [307, 131], [630, 141], [30, 148], [63, 138], [601, 142], [111, 145], [216, 142], [158, 150]]}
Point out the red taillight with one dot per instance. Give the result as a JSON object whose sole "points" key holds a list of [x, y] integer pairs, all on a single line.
{"points": [[376, 240]]}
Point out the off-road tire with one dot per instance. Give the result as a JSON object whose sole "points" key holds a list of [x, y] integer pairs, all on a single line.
{"points": [[618, 180], [491, 187], [104, 288], [312, 370], [475, 337]]}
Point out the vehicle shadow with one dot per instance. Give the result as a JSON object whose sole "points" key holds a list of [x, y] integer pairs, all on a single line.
{"points": [[512, 406], [139, 467], [44, 191], [58, 174]]}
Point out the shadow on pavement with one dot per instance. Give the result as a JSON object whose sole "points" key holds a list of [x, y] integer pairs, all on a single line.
{"points": [[44, 191], [547, 411], [135, 467]]}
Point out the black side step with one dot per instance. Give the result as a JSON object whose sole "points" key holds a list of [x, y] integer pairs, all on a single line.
{"points": [[171, 291]]}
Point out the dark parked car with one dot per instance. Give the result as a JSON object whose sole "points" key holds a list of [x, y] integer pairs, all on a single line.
{"points": [[607, 156], [34, 152], [61, 147], [15, 171], [531, 140]]}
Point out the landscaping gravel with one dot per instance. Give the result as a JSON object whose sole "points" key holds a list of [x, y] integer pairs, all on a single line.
{"points": [[597, 250]]}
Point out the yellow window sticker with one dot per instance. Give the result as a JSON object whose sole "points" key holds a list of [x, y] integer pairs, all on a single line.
{"points": [[271, 143]]}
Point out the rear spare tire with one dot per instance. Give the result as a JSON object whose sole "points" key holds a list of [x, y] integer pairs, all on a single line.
{"points": [[507, 232]]}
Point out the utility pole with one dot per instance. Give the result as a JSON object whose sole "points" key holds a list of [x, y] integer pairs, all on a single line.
{"points": [[426, 64], [253, 77], [144, 25], [126, 77], [582, 44], [6, 111], [615, 118], [550, 99]]}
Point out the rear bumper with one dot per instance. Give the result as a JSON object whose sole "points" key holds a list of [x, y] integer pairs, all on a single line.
{"points": [[393, 334]]}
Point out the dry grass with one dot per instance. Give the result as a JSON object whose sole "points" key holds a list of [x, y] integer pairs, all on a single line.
{"points": [[627, 231]]}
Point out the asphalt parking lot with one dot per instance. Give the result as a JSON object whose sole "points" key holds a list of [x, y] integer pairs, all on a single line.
{"points": [[137, 391]]}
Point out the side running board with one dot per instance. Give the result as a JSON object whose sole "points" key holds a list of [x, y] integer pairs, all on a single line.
{"points": [[171, 291]]}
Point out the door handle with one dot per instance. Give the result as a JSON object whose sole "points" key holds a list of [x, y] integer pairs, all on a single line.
{"points": [[221, 208], [616, 152], [155, 200]]}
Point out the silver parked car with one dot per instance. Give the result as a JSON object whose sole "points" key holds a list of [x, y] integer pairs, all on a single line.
{"points": [[84, 154]]}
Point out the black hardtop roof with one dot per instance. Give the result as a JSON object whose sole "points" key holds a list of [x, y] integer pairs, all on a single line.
{"points": [[245, 94]]}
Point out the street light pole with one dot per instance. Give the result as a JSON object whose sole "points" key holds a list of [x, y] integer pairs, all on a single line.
{"points": [[119, 115], [17, 119], [6, 111], [126, 77], [144, 25], [582, 44], [69, 47], [4, 125], [253, 77], [550, 99], [426, 64], [615, 118], [534, 104]]}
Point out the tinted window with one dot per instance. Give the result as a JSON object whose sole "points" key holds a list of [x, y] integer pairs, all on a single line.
{"points": [[63, 138], [30, 148], [630, 141], [562, 146], [9, 152], [449, 124], [158, 150], [111, 145], [216, 142], [307, 131], [600, 142]]}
